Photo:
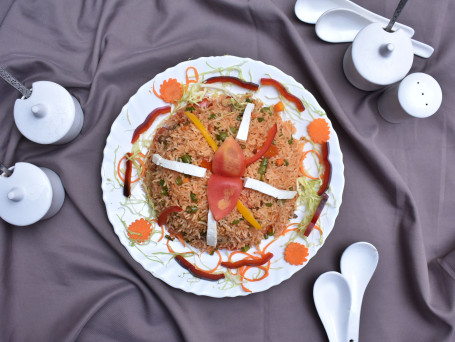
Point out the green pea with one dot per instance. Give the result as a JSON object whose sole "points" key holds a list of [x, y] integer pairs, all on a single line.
{"points": [[191, 209]]}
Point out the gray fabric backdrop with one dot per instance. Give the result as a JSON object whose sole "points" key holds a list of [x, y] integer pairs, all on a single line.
{"points": [[69, 278]]}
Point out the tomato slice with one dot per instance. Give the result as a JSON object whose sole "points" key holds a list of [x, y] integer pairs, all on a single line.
{"points": [[222, 194], [229, 160]]}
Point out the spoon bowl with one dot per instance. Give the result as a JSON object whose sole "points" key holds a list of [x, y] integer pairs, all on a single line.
{"points": [[309, 12], [332, 297], [342, 26], [358, 264]]}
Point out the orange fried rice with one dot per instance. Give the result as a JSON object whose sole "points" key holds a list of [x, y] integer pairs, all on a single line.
{"points": [[179, 139]]}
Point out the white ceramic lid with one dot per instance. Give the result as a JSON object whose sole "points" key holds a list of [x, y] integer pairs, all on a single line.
{"points": [[25, 196], [420, 95], [382, 57], [47, 115]]}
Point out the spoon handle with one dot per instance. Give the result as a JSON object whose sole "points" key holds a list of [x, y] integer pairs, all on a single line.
{"points": [[395, 15], [15, 83]]}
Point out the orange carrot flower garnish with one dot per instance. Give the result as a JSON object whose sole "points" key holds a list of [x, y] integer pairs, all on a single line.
{"points": [[171, 90], [139, 231], [319, 131], [296, 253]]}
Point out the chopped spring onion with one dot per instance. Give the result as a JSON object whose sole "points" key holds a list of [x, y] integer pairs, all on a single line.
{"points": [[222, 136], [186, 158], [263, 167], [191, 209]]}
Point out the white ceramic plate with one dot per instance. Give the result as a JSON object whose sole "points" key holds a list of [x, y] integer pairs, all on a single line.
{"points": [[154, 256]]}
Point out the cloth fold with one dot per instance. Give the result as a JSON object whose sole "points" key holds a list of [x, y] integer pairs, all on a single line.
{"points": [[69, 278]]}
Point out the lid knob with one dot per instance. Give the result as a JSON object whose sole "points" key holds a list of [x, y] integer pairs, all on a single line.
{"points": [[39, 110], [386, 49], [15, 194]]}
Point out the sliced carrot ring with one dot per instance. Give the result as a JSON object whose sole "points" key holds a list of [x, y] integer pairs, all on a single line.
{"points": [[296, 253]]}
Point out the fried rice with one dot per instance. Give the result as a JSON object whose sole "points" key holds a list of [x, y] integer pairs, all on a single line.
{"points": [[179, 139]]}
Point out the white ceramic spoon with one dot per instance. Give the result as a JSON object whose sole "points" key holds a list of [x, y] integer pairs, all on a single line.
{"points": [[309, 12], [358, 264], [332, 297], [342, 25]]}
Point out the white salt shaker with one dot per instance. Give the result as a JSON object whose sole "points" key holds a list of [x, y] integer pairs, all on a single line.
{"points": [[418, 95], [378, 58], [50, 115], [30, 194]]}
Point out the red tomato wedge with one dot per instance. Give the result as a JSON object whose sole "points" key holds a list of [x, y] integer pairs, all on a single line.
{"points": [[229, 160], [223, 194]]}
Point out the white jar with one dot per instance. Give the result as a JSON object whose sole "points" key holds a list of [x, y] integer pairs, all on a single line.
{"points": [[50, 115], [30, 194], [378, 58]]}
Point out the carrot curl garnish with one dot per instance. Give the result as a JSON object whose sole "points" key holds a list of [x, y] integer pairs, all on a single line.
{"points": [[296, 253], [302, 168], [188, 81], [319, 131]]}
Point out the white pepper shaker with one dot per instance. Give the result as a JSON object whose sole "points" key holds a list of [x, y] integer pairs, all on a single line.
{"points": [[418, 95], [50, 115], [30, 194], [378, 58]]}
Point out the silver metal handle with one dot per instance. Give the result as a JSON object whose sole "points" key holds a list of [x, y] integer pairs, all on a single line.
{"points": [[15, 83], [395, 15], [5, 170]]}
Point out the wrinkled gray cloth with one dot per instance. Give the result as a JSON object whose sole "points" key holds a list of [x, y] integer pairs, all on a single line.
{"points": [[69, 278]]}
